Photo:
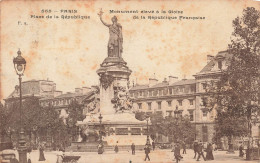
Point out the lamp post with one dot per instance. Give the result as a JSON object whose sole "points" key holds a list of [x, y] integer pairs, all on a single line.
{"points": [[147, 139], [100, 146], [19, 66], [176, 115]]}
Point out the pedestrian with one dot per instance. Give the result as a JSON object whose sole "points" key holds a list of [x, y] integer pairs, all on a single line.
{"points": [[133, 149], [60, 156], [100, 148], [184, 148], [195, 148], [241, 153], [41, 157], [177, 153], [209, 155], [147, 151], [116, 148], [153, 144], [200, 152]]}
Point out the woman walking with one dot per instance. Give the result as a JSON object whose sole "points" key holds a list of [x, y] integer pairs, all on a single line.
{"points": [[41, 158], [209, 155]]}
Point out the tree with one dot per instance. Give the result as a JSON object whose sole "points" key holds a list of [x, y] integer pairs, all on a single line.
{"points": [[236, 94], [178, 128], [29, 117], [36, 120], [3, 118], [75, 111]]}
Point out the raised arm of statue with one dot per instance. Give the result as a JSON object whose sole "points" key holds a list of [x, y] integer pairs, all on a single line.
{"points": [[100, 16]]}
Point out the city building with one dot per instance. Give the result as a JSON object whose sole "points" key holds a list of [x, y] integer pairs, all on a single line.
{"points": [[187, 95], [33, 89]]}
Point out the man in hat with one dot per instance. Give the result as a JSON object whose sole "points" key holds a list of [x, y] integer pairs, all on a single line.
{"points": [[177, 153], [133, 149], [195, 148], [147, 151], [200, 151]]}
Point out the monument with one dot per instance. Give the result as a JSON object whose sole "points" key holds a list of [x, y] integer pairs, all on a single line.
{"points": [[115, 117]]}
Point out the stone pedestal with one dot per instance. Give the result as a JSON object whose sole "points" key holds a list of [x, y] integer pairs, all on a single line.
{"points": [[113, 74]]}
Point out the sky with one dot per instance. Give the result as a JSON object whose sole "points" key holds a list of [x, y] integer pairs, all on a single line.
{"points": [[69, 51]]}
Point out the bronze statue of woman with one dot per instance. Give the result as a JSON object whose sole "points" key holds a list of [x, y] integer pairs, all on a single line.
{"points": [[115, 42]]}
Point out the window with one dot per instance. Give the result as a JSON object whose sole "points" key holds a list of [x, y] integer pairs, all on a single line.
{"points": [[140, 93], [169, 103], [205, 113], [170, 91], [220, 65], [181, 89], [180, 102], [150, 93], [155, 92], [204, 85], [204, 133], [169, 113], [159, 105], [140, 105], [191, 101], [191, 116], [160, 92], [149, 105], [136, 94], [145, 93]]}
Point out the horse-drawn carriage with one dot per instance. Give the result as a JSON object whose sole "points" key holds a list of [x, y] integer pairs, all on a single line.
{"points": [[67, 159]]}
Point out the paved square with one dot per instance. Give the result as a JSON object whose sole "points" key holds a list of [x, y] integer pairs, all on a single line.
{"points": [[157, 156]]}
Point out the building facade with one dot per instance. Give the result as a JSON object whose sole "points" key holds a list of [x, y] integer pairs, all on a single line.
{"points": [[187, 95]]}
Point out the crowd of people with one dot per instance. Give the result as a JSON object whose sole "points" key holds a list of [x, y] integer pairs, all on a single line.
{"points": [[198, 151]]}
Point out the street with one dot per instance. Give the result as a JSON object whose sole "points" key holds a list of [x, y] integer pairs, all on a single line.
{"points": [[157, 156]]}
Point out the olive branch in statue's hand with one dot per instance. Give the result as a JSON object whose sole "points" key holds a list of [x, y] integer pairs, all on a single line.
{"points": [[100, 12]]}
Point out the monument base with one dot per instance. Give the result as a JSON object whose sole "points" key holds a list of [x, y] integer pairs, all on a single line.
{"points": [[120, 128]]}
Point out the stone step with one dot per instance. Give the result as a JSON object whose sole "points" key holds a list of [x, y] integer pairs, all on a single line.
{"points": [[87, 148]]}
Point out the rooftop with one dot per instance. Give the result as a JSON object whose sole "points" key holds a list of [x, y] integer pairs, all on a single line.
{"points": [[165, 84]]}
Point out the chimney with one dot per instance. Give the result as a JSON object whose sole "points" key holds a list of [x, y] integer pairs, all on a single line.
{"points": [[152, 82], [184, 77], [172, 79], [85, 90], [209, 58], [79, 90], [165, 80]]}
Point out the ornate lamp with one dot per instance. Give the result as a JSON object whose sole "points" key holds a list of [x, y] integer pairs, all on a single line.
{"points": [[19, 63], [100, 148], [19, 66], [147, 139]]}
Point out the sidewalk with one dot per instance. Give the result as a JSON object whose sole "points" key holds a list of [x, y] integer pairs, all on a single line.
{"points": [[157, 156]]}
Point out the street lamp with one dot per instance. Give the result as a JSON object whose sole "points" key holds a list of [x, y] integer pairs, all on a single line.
{"points": [[19, 66], [176, 115], [100, 148], [147, 139]]}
